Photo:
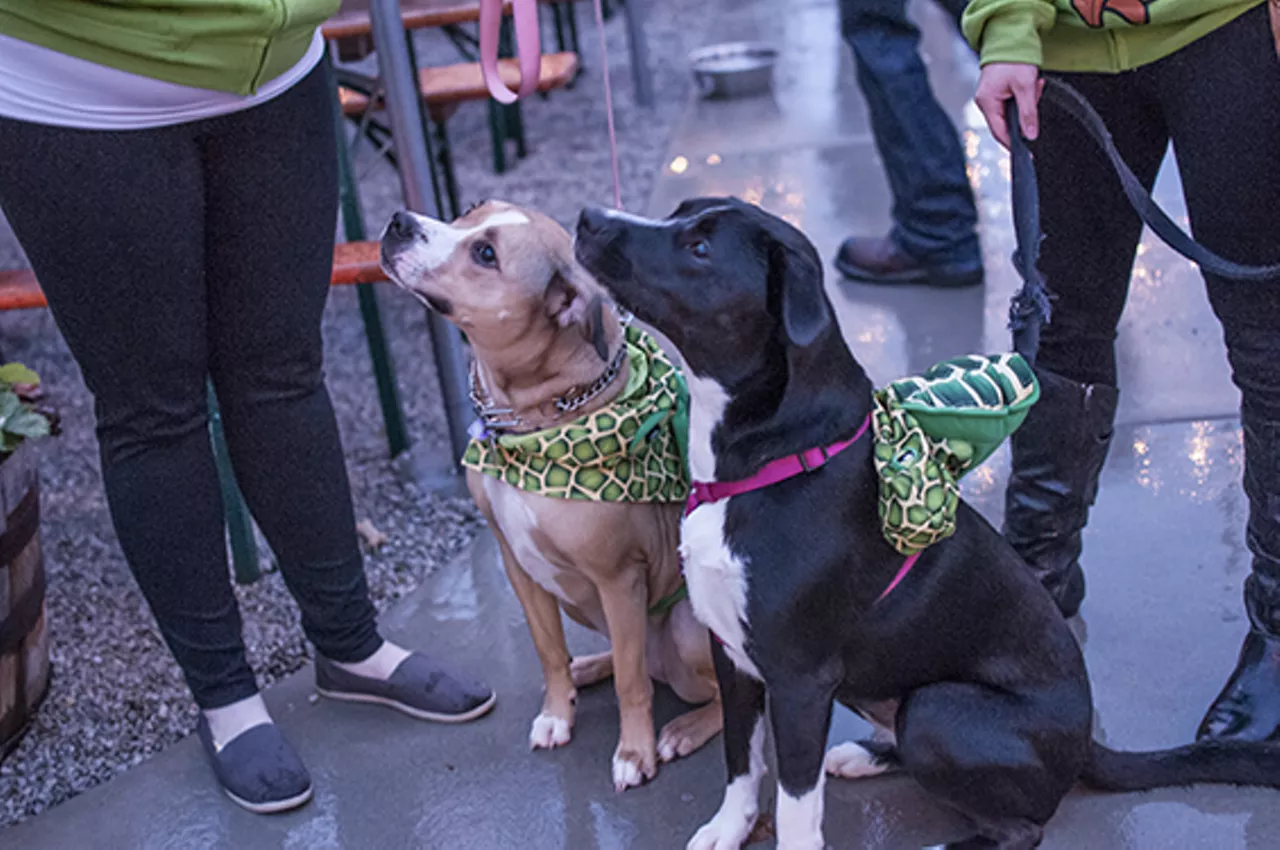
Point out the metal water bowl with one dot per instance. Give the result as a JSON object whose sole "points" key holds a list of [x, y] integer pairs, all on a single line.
{"points": [[737, 69]]}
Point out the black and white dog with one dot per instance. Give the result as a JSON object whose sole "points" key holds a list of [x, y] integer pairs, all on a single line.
{"points": [[967, 663]]}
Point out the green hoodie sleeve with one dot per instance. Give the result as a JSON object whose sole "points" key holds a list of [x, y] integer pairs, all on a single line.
{"points": [[1008, 30]]}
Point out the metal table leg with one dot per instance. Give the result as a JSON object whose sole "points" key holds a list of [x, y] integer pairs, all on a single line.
{"points": [[641, 76], [405, 113], [384, 373]]}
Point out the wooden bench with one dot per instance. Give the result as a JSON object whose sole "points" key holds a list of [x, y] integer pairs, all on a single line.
{"points": [[353, 262], [352, 28], [444, 88]]}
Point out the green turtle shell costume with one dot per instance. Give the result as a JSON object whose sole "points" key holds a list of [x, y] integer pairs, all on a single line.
{"points": [[930, 430]]}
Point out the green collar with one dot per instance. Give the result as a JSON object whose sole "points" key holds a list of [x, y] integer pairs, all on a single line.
{"points": [[671, 600]]}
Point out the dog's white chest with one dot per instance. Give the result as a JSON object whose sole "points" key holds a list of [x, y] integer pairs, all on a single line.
{"points": [[717, 578], [518, 521], [717, 581]]}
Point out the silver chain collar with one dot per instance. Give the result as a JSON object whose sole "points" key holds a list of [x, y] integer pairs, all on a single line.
{"points": [[503, 418], [568, 405]]}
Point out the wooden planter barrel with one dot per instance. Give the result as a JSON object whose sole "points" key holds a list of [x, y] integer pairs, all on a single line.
{"points": [[24, 643]]}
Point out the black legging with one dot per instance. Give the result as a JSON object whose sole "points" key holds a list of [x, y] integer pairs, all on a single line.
{"points": [[176, 254], [1219, 101]]}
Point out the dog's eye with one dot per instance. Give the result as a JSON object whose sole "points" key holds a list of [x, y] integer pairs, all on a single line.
{"points": [[483, 253], [700, 249]]}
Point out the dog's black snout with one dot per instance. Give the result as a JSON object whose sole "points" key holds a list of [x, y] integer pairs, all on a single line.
{"points": [[401, 225], [592, 220]]}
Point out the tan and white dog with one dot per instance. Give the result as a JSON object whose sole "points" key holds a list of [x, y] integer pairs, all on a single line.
{"points": [[539, 331]]}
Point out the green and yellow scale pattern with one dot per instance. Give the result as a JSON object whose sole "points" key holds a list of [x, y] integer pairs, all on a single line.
{"points": [[632, 450], [932, 429]]}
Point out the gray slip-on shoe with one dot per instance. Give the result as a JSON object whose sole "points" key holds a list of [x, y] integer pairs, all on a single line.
{"points": [[419, 687], [259, 769]]}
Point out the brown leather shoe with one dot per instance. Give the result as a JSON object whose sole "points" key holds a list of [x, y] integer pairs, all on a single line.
{"points": [[878, 260]]}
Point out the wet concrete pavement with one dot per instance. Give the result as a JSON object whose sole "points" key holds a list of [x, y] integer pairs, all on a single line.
{"points": [[1160, 629], [1164, 553]]}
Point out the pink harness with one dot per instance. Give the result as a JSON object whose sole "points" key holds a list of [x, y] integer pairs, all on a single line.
{"points": [[707, 492]]}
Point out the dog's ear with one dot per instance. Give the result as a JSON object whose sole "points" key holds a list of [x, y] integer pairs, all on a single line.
{"points": [[574, 298], [795, 276]]}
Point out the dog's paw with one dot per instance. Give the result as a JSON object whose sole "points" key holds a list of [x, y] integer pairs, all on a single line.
{"points": [[630, 770], [689, 731], [549, 732], [853, 761], [591, 669], [725, 831]]}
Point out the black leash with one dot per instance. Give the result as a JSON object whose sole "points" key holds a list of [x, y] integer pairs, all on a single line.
{"points": [[1030, 309]]}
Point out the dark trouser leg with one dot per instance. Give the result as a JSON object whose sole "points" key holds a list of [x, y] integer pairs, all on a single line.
{"points": [[933, 212], [113, 223], [271, 208], [1228, 148], [1091, 235]]}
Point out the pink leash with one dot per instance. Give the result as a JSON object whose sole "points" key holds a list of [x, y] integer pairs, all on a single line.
{"points": [[529, 51], [608, 105], [528, 48]]}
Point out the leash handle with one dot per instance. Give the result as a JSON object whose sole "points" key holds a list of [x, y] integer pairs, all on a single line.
{"points": [[1030, 309], [1075, 105], [528, 48]]}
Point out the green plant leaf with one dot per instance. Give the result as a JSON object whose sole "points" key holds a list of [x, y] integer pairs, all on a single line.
{"points": [[9, 405], [27, 424], [16, 373]]}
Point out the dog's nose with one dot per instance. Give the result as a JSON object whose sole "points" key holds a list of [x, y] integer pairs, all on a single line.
{"points": [[401, 225], [593, 219]]}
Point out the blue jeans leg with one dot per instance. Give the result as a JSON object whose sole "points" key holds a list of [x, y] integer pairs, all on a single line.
{"points": [[933, 209]]}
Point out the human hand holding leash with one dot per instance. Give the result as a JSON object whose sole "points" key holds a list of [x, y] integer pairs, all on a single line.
{"points": [[1002, 81]]}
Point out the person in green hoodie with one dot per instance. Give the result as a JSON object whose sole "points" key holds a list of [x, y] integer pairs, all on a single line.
{"points": [[169, 168], [1205, 75]]}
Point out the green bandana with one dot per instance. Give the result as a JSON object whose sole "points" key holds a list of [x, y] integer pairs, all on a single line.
{"points": [[632, 451], [932, 429]]}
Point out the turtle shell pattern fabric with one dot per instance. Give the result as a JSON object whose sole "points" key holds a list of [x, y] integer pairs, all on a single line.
{"points": [[629, 451], [920, 468]]}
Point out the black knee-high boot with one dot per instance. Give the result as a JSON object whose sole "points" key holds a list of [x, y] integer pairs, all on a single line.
{"points": [[1249, 706], [1057, 455]]}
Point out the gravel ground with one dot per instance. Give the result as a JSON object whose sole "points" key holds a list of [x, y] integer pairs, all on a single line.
{"points": [[117, 696]]}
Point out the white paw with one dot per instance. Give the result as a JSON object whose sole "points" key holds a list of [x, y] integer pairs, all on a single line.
{"points": [[851, 761], [806, 843], [725, 831], [548, 732], [683, 735], [626, 774], [668, 747]]}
